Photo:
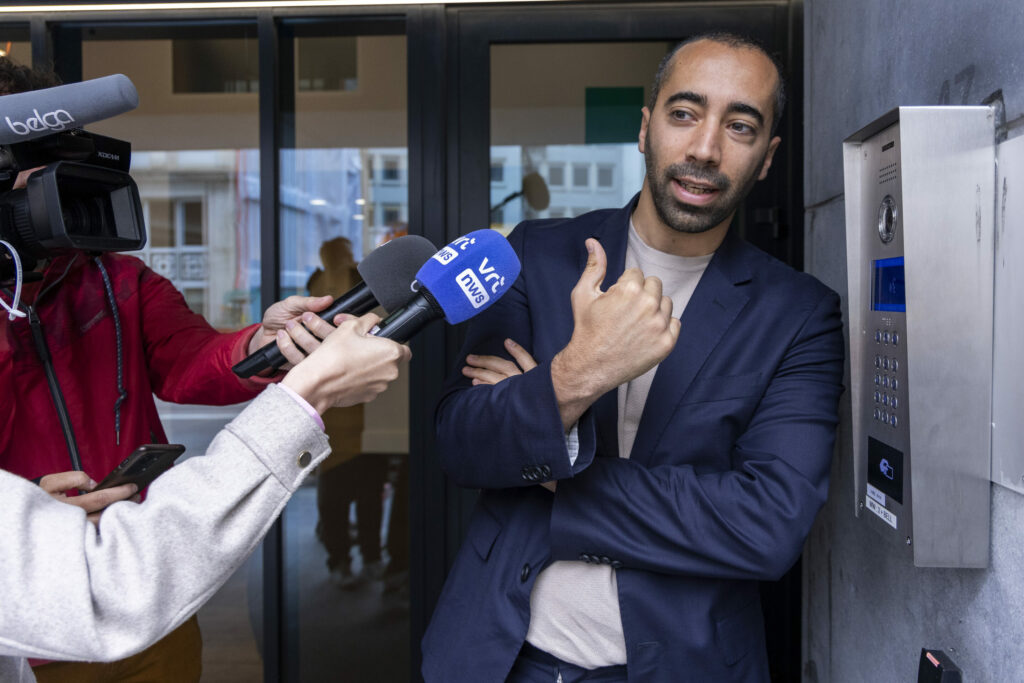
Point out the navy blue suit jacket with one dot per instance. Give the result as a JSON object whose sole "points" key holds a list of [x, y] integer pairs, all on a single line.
{"points": [[729, 468]]}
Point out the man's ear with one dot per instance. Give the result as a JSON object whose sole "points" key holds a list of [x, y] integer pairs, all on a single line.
{"points": [[645, 119], [772, 146]]}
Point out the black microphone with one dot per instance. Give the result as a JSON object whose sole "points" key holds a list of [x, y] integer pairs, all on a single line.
{"points": [[387, 273], [459, 282], [35, 114]]}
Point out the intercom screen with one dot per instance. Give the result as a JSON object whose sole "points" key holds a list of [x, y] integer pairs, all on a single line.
{"points": [[889, 291]]}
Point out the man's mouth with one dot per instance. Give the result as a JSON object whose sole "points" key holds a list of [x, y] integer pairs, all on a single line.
{"points": [[693, 192], [697, 189]]}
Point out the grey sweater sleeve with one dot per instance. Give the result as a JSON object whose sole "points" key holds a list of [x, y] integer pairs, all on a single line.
{"points": [[71, 591]]}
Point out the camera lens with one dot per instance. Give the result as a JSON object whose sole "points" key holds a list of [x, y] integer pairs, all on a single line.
{"points": [[87, 216]]}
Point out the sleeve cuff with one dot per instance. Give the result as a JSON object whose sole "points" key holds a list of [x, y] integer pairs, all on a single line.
{"points": [[305, 404]]}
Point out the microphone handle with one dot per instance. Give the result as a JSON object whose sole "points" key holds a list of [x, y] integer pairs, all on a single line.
{"points": [[357, 301], [401, 325]]}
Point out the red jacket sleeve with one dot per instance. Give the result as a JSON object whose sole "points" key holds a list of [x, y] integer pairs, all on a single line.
{"points": [[189, 361]]}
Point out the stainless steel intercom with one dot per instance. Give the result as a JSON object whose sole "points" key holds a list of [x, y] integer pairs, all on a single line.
{"points": [[919, 190]]}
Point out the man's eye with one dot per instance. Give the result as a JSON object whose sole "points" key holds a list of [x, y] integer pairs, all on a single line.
{"points": [[681, 115], [742, 128]]}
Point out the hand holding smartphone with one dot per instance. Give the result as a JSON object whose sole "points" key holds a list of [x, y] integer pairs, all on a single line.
{"points": [[145, 464]]}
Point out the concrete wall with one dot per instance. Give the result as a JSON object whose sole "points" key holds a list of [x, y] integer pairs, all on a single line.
{"points": [[867, 612]]}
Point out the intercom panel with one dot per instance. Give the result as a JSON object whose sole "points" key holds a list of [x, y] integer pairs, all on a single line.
{"points": [[919, 205]]}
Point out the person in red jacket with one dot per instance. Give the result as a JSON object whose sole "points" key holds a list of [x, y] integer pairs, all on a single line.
{"points": [[104, 334]]}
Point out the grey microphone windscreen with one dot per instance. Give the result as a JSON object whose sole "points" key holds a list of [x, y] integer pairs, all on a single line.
{"points": [[390, 269], [37, 113]]}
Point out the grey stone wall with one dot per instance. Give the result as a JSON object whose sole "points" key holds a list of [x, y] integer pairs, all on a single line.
{"points": [[867, 612]]}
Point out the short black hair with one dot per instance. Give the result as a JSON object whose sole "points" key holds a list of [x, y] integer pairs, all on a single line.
{"points": [[732, 40], [15, 78]]}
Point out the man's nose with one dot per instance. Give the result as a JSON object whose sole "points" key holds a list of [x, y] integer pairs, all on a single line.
{"points": [[705, 145]]}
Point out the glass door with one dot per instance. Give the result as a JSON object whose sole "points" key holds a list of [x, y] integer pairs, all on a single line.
{"points": [[344, 191]]}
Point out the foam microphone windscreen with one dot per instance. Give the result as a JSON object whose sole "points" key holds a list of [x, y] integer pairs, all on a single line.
{"points": [[35, 114], [389, 269], [470, 274]]}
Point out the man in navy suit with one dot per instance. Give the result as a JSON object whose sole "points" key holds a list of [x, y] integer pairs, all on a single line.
{"points": [[670, 445]]}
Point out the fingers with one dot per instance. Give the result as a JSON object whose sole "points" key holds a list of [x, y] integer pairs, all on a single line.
{"points": [[296, 305], [365, 323], [292, 353], [520, 355], [652, 285], [666, 306], [66, 481], [98, 500], [342, 317], [489, 369], [597, 266]]}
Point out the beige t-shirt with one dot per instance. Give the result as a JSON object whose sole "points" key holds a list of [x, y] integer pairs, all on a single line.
{"points": [[574, 606]]}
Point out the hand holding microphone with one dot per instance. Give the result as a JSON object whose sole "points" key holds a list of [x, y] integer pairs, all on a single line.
{"points": [[387, 273]]}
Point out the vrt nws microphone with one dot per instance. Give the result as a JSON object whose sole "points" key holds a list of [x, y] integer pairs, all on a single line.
{"points": [[387, 271], [34, 114], [456, 283]]}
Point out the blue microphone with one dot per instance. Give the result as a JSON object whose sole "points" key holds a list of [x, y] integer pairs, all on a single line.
{"points": [[456, 283]]}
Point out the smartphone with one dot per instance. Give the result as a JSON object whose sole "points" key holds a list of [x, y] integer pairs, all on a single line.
{"points": [[145, 464]]}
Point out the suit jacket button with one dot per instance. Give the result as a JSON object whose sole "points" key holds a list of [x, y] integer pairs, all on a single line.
{"points": [[305, 457], [605, 559], [545, 470], [526, 473], [525, 574], [615, 564], [584, 557]]}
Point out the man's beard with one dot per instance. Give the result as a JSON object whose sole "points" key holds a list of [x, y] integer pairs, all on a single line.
{"points": [[685, 217]]}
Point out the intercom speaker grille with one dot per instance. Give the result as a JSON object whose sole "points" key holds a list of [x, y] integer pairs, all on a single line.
{"points": [[887, 173]]}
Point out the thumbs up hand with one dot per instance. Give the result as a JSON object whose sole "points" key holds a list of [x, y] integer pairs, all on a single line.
{"points": [[618, 334]]}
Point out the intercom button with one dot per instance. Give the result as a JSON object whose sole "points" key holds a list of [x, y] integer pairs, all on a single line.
{"points": [[885, 380], [895, 365], [878, 396], [878, 361], [878, 335], [877, 413], [892, 420], [885, 399], [896, 338], [894, 402], [878, 379], [895, 384], [885, 337]]}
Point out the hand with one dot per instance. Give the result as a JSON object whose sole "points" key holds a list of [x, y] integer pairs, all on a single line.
{"points": [[93, 503], [281, 313], [348, 367], [493, 369], [618, 335], [299, 339]]}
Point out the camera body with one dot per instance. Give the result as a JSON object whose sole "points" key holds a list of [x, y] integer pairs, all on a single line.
{"points": [[80, 198]]}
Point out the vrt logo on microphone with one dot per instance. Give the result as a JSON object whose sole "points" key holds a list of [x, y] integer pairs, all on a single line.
{"points": [[474, 288], [55, 120], [449, 253]]}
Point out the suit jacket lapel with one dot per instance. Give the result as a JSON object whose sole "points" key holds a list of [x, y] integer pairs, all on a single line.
{"points": [[711, 310]]}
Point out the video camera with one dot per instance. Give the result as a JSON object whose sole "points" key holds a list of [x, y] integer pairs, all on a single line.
{"points": [[81, 196]]}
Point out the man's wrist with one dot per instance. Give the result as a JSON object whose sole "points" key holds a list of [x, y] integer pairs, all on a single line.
{"points": [[573, 388]]}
